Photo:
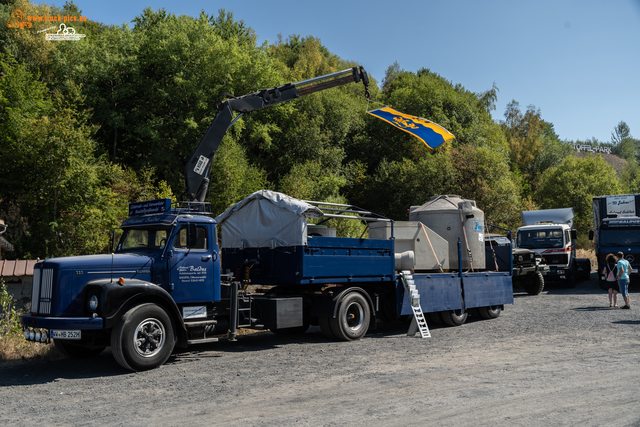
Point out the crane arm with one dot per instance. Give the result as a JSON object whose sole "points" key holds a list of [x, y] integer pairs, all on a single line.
{"points": [[198, 167]]}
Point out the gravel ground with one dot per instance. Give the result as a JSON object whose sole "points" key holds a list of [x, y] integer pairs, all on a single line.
{"points": [[560, 358]]}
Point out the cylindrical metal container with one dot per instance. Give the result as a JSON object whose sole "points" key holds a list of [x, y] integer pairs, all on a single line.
{"points": [[455, 218]]}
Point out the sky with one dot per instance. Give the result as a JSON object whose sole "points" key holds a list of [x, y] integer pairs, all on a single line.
{"points": [[577, 61]]}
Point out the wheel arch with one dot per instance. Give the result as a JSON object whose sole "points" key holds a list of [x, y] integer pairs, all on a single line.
{"points": [[119, 299]]}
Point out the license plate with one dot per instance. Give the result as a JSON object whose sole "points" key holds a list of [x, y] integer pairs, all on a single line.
{"points": [[634, 270], [66, 335]]}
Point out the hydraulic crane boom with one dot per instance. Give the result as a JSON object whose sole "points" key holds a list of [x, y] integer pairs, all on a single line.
{"points": [[198, 167]]}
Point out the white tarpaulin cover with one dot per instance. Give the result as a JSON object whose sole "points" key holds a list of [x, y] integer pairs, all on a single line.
{"points": [[266, 219]]}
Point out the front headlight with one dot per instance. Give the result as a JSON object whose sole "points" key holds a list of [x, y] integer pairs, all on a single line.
{"points": [[93, 303]]}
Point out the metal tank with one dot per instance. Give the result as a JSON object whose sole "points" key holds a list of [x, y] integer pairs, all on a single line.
{"points": [[453, 218]]}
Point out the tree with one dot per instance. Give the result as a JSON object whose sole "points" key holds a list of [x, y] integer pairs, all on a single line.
{"points": [[574, 183], [483, 175], [525, 133], [63, 196], [624, 145]]}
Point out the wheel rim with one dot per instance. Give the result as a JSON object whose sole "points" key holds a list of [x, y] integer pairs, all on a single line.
{"points": [[149, 337], [354, 316]]}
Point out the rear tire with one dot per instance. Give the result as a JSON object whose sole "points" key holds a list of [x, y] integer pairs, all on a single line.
{"points": [[489, 312], [353, 318], [144, 338], [325, 328], [454, 317]]}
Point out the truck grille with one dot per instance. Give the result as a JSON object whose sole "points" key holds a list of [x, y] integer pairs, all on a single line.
{"points": [[41, 291], [556, 259]]}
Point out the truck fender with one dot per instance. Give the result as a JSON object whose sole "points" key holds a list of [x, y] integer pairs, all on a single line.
{"points": [[327, 305], [116, 299]]}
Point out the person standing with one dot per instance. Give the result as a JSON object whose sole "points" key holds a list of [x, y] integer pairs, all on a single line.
{"points": [[623, 278], [610, 278]]}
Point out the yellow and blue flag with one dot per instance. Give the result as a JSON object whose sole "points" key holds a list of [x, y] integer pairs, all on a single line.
{"points": [[432, 134]]}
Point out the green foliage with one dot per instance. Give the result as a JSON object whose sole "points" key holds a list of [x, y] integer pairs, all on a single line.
{"points": [[9, 316], [232, 177], [397, 185], [483, 175], [87, 127], [574, 183]]}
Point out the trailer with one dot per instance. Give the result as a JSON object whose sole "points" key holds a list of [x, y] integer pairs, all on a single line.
{"points": [[616, 229]]}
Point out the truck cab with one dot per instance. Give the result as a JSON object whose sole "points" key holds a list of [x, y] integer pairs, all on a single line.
{"points": [[165, 268], [549, 232]]}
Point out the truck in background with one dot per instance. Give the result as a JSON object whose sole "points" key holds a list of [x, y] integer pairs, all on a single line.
{"points": [[616, 228], [550, 233]]}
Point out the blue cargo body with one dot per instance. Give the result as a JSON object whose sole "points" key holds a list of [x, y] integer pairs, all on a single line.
{"points": [[324, 260], [447, 291]]}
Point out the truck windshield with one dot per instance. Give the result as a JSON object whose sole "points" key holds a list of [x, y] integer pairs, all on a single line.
{"points": [[147, 238], [619, 238], [542, 238]]}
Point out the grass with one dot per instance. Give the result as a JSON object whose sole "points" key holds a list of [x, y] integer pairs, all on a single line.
{"points": [[13, 346]]}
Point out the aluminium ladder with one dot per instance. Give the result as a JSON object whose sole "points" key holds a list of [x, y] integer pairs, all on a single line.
{"points": [[418, 323]]}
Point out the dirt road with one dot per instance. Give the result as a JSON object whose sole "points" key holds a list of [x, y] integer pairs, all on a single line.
{"points": [[560, 358]]}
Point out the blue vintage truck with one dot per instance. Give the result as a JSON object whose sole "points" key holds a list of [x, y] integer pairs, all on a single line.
{"points": [[181, 276]]}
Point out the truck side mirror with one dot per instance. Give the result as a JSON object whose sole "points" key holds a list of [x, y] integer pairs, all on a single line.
{"points": [[574, 234], [590, 234]]}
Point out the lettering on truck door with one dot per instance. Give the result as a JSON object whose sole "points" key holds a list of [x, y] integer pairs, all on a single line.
{"points": [[191, 266]]}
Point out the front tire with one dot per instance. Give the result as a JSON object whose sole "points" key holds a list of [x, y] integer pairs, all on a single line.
{"points": [[535, 284], [353, 318], [144, 338]]}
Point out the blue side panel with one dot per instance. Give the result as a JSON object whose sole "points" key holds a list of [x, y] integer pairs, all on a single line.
{"points": [[438, 292], [487, 289], [324, 260], [345, 260]]}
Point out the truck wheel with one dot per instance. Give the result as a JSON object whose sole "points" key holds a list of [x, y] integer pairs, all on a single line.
{"points": [[77, 351], [143, 339], [535, 284], [325, 328], [353, 318], [453, 317], [489, 312], [586, 269]]}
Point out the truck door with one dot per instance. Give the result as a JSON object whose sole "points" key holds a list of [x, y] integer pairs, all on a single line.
{"points": [[191, 265]]}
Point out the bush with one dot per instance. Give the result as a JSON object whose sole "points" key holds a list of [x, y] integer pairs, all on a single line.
{"points": [[12, 343]]}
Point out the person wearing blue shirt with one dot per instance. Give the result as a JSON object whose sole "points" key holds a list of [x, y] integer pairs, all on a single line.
{"points": [[623, 278]]}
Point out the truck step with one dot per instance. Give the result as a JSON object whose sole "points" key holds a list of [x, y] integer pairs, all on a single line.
{"points": [[202, 341], [200, 324]]}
